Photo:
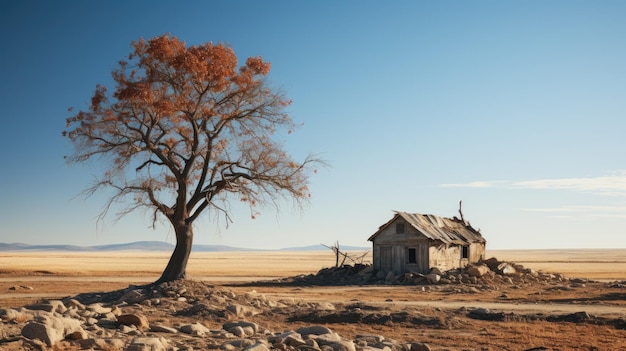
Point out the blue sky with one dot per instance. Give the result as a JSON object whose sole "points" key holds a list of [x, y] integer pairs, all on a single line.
{"points": [[518, 108]]}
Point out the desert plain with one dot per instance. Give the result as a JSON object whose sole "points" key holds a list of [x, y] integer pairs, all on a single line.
{"points": [[555, 315]]}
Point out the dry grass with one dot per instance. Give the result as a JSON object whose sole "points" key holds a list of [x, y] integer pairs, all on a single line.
{"points": [[594, 264], [203, 264], [54, 274]]}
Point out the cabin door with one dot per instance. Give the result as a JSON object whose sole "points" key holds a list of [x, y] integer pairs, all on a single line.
{"points": [[422, 259], [385, 259]]}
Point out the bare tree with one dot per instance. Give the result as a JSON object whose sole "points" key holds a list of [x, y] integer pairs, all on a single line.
{"points": [[187, 130]]}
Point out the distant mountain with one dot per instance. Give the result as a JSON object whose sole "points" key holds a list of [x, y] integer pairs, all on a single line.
{"points": [[157, 246], [134, 246], [220, 248]]}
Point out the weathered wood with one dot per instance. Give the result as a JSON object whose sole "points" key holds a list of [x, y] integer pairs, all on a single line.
{"points": [[392, 247]]}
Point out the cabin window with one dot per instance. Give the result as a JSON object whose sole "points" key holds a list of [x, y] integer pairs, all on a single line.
{"points": [[465, 252], [412, 255], [400, 228]]}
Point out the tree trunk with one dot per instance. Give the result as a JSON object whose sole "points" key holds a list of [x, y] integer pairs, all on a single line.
{"points": [[178, 261]]}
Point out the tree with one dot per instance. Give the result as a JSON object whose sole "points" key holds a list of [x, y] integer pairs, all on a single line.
{"points": [[185, 131]]}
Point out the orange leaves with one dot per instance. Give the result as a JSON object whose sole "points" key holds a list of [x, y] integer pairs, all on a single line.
{"points": [[98, 97], [194, 125], [257, 66], [163, 48]]}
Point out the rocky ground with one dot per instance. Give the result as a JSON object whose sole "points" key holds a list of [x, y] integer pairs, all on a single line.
{"points": [[350, 308]]}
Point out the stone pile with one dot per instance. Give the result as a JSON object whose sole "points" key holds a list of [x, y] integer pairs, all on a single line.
{"points": [[183, 315], [490, 272]]}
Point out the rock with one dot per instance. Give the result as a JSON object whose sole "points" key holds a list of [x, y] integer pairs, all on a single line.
{"points": [[237, 331], [478, 270], [241, 311], [195, 329], [238, 344], [486, 315], [124, 329], [40, 331], [98, 308], [436, 270], [315, 330], [294, 340], [147, 344], [370, 339], [133, 296], [51, 329], [241, 324], [102, 344], [506, 268], [280, 338], [158, 328], [390, 278], [418, 346], [336, 342], [257, 347], [73, 303], [77, 335], [324, 306], [433, 278], [139, 321], [11, 315], [50, 306]]}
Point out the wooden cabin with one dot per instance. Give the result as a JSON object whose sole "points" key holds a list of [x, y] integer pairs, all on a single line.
{"points": [[413, 242]]}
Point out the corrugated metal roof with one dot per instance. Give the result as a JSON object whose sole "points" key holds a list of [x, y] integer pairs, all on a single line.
{"points": [[446, 230]]}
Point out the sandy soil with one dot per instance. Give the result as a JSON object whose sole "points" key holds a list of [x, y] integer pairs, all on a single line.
{"points": [[26, 277]]}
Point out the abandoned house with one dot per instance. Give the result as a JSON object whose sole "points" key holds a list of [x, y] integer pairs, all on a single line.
{"points": [[413, 242]]}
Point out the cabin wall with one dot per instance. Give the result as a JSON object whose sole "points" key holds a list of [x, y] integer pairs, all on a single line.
{"points": [[450, 257], [477, 252], [391, 250], [445, 257]]}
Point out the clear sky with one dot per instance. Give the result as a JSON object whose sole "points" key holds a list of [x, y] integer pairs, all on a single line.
{"points": [[518, 108]]}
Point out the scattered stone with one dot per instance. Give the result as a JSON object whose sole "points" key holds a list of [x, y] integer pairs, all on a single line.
{"points": [[478, 270], [433, 278], [98, 308], [390, 278], [147, 344], [418, 346], [257, 347], [241, 311], [158, 328], [50, 306], [40, 331], [139, 321], [196, 329], [314, 330], [242, 324]]}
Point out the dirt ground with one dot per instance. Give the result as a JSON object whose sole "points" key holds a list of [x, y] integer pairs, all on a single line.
{"points": [[557, 316]]}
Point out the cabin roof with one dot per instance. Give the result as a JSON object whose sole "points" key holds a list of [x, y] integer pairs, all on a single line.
{"points": [[446, 230]]}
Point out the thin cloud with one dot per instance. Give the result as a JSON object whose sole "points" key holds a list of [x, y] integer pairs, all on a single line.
{"points": [[470, 185], [612, 185], [569, 212], [606, 184]]}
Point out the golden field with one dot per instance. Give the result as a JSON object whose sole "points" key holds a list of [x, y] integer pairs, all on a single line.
{"points": [[601, 264]]}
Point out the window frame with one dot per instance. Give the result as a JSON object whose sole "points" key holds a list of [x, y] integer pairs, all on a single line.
{"points": [[410, 256], [465, 252], [400, 227]]}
